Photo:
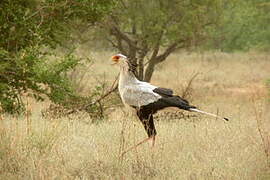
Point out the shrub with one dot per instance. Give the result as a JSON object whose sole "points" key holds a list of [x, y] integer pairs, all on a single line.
{"points": [[28, 27]]}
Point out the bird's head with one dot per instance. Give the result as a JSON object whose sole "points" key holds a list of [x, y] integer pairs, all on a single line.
{"points": [[119, 59]]}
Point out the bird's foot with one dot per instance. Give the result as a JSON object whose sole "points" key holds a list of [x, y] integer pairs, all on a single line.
{"points": [[141, 142]]}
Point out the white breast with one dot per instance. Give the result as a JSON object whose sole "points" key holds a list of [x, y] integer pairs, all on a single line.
{"points": [[134, 92], [138, 94]]}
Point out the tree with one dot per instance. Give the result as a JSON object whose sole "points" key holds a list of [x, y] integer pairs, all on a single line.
{"points": [[245, 25], [28, 27], [149, 31]]}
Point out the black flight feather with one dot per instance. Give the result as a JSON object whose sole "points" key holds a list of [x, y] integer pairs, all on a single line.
{"points": [[146, 112]]}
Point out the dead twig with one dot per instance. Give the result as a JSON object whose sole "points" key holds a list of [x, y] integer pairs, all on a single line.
{"points": [[258, 118], [187, 90], [111, 90]]}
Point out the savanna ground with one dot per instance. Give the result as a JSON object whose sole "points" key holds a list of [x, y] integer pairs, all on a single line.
{"points": [[200, 147]]}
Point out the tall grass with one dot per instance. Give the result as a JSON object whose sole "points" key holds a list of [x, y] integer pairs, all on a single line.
{"points": [[34, 147]]}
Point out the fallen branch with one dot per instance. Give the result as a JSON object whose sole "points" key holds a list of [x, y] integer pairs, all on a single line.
{"points": [[84, 107]]}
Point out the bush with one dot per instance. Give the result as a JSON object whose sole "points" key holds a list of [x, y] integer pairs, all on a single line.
{"points": [[27, 28], [244, 26], [31, 73]]}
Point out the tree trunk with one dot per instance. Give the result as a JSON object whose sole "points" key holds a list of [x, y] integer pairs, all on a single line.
{"points": [[149, 71], [141, 68], [141, 59], [134, 65]]}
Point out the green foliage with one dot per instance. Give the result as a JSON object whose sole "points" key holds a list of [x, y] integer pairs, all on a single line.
{"points": [[245, 25], [30, 22], [174, 19], [28, 27], [16, 77], [33, 74], [149, 31]]}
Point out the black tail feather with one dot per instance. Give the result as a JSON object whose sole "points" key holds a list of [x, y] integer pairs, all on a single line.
{"points": [[177, 101], [173, 101]]}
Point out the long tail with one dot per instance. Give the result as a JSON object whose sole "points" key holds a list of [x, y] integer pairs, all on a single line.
{"points": [[207, 113], [177, 101]]}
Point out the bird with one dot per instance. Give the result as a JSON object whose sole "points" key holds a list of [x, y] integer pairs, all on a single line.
{"points": [[148, 99]]}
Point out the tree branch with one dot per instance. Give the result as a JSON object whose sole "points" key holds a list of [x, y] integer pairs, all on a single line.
{"points": [[158, 59], [156, 48], [141, 57], [168, 51], [118, 33], [112, 43], [84, 107]]}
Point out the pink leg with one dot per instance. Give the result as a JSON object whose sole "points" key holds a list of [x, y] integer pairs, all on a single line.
{"points": [[153, 140], [143, 141]]}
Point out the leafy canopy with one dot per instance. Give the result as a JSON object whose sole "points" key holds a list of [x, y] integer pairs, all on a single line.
{"points": [[149, 31], [245, 25], [29, 30]]}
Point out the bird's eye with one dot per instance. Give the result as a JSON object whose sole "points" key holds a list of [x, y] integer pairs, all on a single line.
{"points": [[115, 57]]}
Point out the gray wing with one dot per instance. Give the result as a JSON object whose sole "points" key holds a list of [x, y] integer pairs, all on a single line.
{"points": [[139, 95], [164, 92]]}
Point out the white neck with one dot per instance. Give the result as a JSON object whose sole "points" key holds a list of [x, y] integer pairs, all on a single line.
{"points": [[126, 77]]}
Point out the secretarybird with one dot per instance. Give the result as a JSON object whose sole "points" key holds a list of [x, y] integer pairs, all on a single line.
{"points": [[147, 99]]}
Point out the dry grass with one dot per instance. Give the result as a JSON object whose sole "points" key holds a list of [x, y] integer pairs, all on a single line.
{"points": [[32, 147]]}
